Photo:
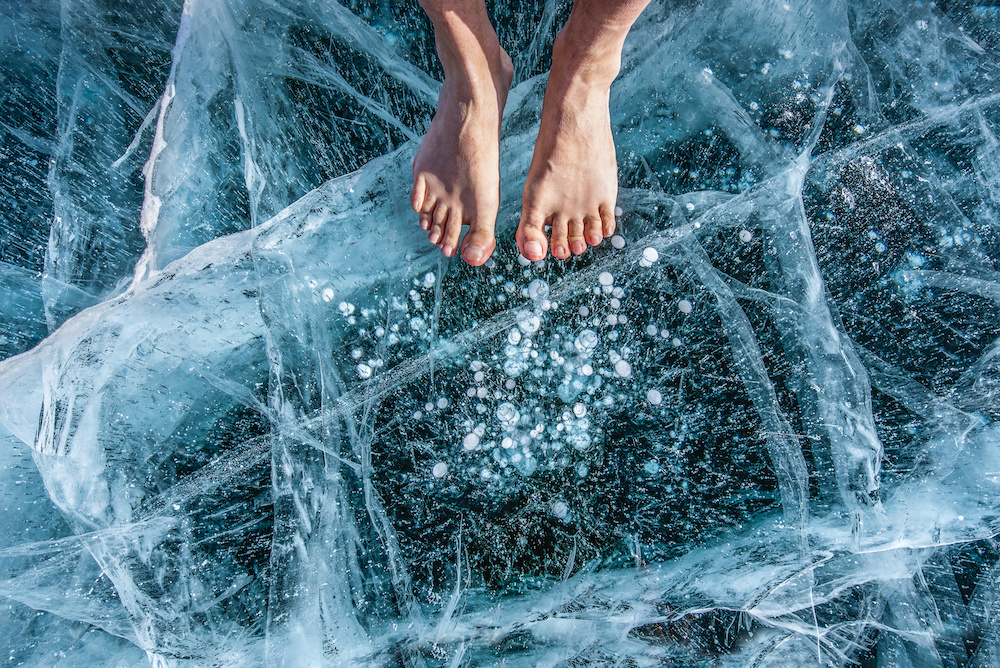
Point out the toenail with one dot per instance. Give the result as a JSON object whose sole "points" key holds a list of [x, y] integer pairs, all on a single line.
{"points": [[558, 251], [533, 248], [435, 236], [595, 239], [473, 254], [578, 247], [447, 250]]}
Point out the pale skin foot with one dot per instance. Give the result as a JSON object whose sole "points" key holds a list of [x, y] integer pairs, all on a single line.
{"points": [[572, 184], [456, 173]]}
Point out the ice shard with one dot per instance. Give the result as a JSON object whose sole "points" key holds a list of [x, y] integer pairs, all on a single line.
{"points": [[251, 417]]}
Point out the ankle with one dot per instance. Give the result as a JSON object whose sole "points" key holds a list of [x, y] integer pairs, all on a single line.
{"points": [[468, 48], [588, 56]]}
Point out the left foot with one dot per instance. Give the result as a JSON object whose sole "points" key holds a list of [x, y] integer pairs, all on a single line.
{"points": [[572, 183], [456, 172]]}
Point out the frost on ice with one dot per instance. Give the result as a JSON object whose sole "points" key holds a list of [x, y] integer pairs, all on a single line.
{"points": [[252, 418]]}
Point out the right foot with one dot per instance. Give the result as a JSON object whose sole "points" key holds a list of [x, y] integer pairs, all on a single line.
{"points": [[572, 184], [456, 173]]}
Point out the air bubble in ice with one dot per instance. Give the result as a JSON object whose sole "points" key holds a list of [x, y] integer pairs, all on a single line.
{"points": [[746, 236], [528, 322], [471, 441], [513, 368], [507, 414], [560, 510], [623, 368], [605, 278], [440, 470], [514, 337], [328, 294], [684, 306], [586, 341], [650, 255], [538, 290], [579, 440], [654, 397], [618, 241], [417, 324], [651, 330], [364, 371], [579, 410]]}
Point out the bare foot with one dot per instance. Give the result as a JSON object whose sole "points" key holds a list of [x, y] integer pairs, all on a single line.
{"points": [[572, 184], [456, 173]]}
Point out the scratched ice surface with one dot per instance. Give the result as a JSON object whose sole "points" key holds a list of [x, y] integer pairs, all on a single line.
{"points": [[250, 417]]}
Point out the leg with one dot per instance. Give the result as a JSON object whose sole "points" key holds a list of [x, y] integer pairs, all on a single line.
{"points": [[456, 174], [573, 180]]}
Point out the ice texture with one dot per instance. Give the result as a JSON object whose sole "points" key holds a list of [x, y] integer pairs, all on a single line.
{"points": [[250, 416]]}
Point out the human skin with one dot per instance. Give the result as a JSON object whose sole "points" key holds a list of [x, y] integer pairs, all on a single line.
{"points": [[572, 183]]}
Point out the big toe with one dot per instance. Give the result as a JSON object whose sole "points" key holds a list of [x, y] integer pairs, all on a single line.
{"points": [[478, 244], [531, 237]]}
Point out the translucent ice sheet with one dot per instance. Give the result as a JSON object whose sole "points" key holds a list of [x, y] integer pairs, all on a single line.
{"points": [[251, 417]]}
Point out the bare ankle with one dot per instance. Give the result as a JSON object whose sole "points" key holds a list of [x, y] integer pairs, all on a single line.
{"points": [[592, 60]]}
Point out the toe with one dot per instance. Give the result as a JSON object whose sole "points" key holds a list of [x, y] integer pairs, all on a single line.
{"points": [[558, 241], [418, 193], [479, 242], [438, 218], [576, 240], [452, 232], [531, 236], [608, 219], [592, 230], [425, 221]]}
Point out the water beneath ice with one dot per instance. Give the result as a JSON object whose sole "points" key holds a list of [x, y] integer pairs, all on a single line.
{"points": [[251, 417]]}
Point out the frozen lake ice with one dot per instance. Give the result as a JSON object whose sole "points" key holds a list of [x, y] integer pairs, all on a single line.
{"points": [[251, 417]]}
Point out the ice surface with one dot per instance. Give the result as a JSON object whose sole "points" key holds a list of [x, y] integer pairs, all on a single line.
{"points": [[250, 417]]}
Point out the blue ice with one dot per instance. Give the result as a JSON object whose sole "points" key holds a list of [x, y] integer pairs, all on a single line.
{"points": [[252, 418]]}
